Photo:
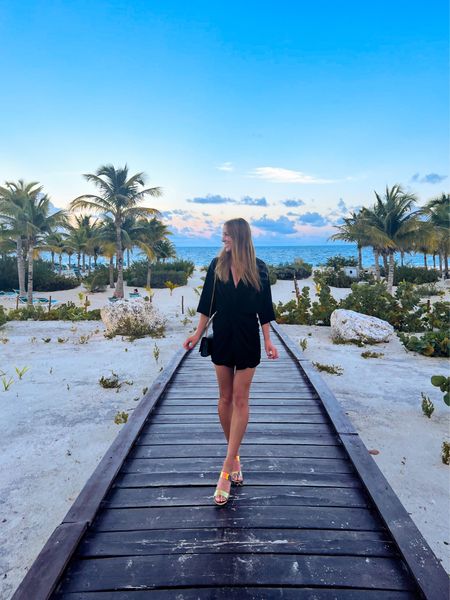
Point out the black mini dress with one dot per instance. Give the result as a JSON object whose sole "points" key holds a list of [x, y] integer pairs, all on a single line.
{"points": [[235, 325]]}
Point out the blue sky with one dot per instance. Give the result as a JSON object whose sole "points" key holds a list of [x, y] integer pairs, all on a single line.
{"points": [[286, 113]]}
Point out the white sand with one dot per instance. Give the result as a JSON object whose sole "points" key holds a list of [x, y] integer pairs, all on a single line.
{"points": [[57, 422]]}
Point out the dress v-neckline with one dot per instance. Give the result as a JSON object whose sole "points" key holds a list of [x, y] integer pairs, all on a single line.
{"points": [[235, 285]]}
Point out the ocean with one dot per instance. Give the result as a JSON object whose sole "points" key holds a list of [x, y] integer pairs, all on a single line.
{"points": [[275, 255], [314, 255]]}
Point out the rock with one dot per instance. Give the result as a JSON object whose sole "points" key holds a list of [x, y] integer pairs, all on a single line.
{"points": [[351, 326], [134, 318]]}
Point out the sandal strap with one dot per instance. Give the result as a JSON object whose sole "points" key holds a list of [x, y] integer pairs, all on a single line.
{"points": [[223, 493], [224, 475]]}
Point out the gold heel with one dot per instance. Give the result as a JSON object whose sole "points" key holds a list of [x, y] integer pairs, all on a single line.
{"points": [[236, 476], [221, 492]]}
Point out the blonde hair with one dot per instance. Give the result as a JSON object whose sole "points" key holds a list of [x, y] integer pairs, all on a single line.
{"points": [[242, 255]]}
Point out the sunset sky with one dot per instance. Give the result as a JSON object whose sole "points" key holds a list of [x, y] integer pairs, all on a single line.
{"points": [[286, 113]]}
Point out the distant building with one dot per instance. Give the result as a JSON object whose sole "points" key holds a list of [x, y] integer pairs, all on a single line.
{"points": [[352, 272]]}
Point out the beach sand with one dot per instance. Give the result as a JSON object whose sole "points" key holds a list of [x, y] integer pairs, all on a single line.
{"points": [[58, 421]]}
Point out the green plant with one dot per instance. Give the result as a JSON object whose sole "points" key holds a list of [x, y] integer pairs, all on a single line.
{"points": [[303, 344], [338, 261], [62, 340], [7, 384], [445, 454], [191, 312], [3, 317], [368, 354], [171, 286], [46, 340], [4, 340], [431, 343], [83, 339], [331, 369], [443, 383], [186, 321], [156, 352], [21, 372], [321, 311], [110, 382], [121, 417], [144, 391], [427, 405]]}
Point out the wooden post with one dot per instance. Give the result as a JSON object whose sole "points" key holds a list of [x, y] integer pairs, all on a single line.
{"points": [[17, 302], [182, 305], [49, 303]]}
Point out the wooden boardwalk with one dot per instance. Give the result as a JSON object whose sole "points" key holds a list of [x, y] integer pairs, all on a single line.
{"points": [[315, 520]]}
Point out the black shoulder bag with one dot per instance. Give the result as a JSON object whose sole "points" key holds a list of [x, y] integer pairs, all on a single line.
{"points": [[206, 342]]}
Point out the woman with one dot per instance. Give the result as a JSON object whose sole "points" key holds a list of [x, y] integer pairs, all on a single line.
{"points": [[237, 289]]}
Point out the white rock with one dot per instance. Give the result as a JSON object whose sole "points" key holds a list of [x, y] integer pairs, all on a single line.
{"points": [[132, 317], [348, 325]]}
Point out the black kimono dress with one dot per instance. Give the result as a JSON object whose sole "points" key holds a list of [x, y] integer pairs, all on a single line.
{"points": [[235, 325]]}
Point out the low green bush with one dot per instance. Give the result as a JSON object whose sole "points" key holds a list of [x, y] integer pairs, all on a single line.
{"points": [[66, 312], [431, 343], [44, 277], [3, 317], [338, 261], [176, 271], [412, 274], [97, 280], [299, 268]]}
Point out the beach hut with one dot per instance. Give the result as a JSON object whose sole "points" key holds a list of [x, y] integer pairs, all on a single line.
{"points": [[352, 272]]}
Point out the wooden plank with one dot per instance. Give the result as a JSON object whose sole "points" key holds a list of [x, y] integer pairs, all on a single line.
{"points": [[255, 465], [147, 572], [210, 479], [195, 437], [244, 593], [41, 578], [210, 409], [278, 417], [263, 428], [212, 451], [244, 541], [248, 517], [248, 496]]}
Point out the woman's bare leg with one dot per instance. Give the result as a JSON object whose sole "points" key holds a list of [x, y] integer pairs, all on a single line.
{"points": [[239, 417], [225, 376]]}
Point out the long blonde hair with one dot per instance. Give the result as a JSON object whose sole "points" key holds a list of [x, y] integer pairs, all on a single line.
{"points": [[242, 255]]}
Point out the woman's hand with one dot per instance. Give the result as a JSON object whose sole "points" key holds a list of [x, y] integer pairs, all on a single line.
{"points": [[191, 341], [271, 351]]}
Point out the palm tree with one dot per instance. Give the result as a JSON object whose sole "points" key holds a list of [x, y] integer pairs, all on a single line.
{"points": [[391, 224], [77, 238], [147, 235], [165, 249], [13, 201], [353, 230], [119, 198], [437, 212], [56, 242]]}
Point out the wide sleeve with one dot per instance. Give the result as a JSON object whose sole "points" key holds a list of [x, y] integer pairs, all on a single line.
{"points": [[265, 310], [204, 304]]}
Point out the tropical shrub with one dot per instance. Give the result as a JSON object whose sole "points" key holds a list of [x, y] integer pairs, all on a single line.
{"points": [[3, 317], [295, 312], [412, 274], [177, 272], [97, 280], [66, 312], [431, 343], [321, 311], [299, 268], [338, 261], [44, 277]]}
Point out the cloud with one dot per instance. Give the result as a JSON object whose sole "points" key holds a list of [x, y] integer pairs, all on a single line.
{"points": [[313, 218], [210, 199], [292, 203], [280, 225], [430, 178], [280, 175], [253, 201], [226, 166], [341, 206]]}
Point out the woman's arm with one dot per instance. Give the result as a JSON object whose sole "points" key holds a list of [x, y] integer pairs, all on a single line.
{"points": [[193, 339], [271, 351]]}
